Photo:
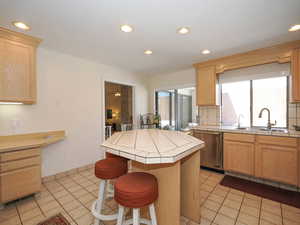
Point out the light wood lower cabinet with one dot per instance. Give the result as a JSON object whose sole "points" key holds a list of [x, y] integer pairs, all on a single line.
{"points": [[277, 159], [268, 157], [20, 174], [239, 153]]}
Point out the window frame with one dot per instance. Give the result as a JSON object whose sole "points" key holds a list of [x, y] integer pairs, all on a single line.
{"points": [[251, 104]]}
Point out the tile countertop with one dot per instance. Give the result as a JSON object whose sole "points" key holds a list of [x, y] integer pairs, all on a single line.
{"points": [[230, 129], [152, 146]]}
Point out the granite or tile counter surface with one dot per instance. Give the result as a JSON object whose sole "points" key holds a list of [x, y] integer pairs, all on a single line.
{"points": [[27, 141], [230, 129], [152, 146]]}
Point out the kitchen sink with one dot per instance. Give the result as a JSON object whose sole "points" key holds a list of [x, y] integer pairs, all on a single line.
{"points": [[274, 130]]}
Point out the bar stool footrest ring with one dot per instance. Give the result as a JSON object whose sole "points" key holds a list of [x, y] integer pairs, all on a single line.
{"points": [[101, 216], [142, 221]]}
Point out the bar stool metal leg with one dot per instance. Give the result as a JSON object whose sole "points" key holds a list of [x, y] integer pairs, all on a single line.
{"points": [[136, 216], [152, 214], [120, 215]]}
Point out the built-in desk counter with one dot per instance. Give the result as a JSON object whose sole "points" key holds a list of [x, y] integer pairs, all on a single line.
{"points": [[20, 163]]}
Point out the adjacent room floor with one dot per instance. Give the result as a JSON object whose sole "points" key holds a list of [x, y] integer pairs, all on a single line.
{"points": [[73, 195]]}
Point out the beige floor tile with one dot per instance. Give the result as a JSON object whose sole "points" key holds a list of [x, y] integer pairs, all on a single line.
{"points": [[74, 188], [72, 205], [265, 222], [11, 221], [232, 204], [212, 205], [45, 200], [208, 214], [247, 219], [290, 222], [8, 213], [26, 205], [272, 218], [85, 220], [65, 199], [216, 198], [204, 194], [230, 212], [223, 220], [270, 202], [91, 188], [237, 192], [49, 206], [80, 193], [220, 192], [78, 212], [207, 188], [60, 194], [54, 211], [250, 210], [86, 198], [253, 197], [294, 216], [234, 197], [202, 222], [271, 209], [183, 220], [34, 220], [252, 203], [290, 208], [30, 214]]}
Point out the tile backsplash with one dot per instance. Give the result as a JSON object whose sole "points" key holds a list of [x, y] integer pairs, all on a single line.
{"points": [[211, 115]]}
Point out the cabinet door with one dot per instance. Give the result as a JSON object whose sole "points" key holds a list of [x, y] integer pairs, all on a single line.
{"points": [[278, 163], [206, 86], [19, 183], [295, 78], [239, 157], [17, 72]]}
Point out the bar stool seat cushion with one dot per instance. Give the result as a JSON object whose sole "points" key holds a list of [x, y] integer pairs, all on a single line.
{"points": [[110, 168], [136, 190]]}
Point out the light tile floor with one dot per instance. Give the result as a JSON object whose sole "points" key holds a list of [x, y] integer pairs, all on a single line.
{"points": [[73, 195]]}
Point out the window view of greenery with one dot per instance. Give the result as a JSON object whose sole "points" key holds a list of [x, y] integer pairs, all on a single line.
{"points": [[268, 93]]}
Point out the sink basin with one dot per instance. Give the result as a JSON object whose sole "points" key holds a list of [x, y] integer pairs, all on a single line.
{"points": [[274, 130], [241, 128]]}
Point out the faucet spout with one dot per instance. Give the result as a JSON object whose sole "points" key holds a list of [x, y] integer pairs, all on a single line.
{"points": [[269, 124]]}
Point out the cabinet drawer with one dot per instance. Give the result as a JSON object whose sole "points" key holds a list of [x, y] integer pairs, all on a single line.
{"points": [[239, 137], [19, 164], [20, 183], [279, 141], [9, 156]]}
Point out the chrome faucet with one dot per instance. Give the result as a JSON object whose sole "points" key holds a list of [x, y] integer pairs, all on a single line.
{"points": [[239, 120], [269, 125]]}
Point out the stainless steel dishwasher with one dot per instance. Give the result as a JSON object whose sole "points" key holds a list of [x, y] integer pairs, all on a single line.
{"points": [[212, 153]]}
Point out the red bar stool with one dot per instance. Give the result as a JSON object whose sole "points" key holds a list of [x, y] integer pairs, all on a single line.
{"points": [[107, 169], [136, 190]]}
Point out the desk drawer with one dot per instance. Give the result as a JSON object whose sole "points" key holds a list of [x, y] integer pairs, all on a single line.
{"points": [[19, 164], [15, 155], [19, 183]]}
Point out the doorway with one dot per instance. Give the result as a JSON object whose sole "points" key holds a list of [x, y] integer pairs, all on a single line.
{"points": [[118, 107]]}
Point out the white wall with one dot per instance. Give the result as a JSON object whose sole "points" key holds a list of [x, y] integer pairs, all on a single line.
{"points": [[178, 79], [70, 98]]}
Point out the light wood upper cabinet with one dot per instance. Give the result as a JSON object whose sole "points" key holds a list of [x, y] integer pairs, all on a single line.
{"points": [[277, 159], [206, 86], [239, 153], [295, 78], [17, 67]]}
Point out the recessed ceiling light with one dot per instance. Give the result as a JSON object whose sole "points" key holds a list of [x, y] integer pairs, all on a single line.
{"points": [[205, 52], [148, 52], [126, 28], [21, 25], [295, 27], [183, 30]]}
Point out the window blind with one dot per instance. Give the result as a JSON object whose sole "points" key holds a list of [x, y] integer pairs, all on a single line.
{"points": [[255, 72]]}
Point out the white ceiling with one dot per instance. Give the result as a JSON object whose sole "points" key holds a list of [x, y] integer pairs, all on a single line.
{"points": [[91, 28]]}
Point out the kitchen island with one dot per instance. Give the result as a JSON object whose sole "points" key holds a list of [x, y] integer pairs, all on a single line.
{"points": [[174, 158]]}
